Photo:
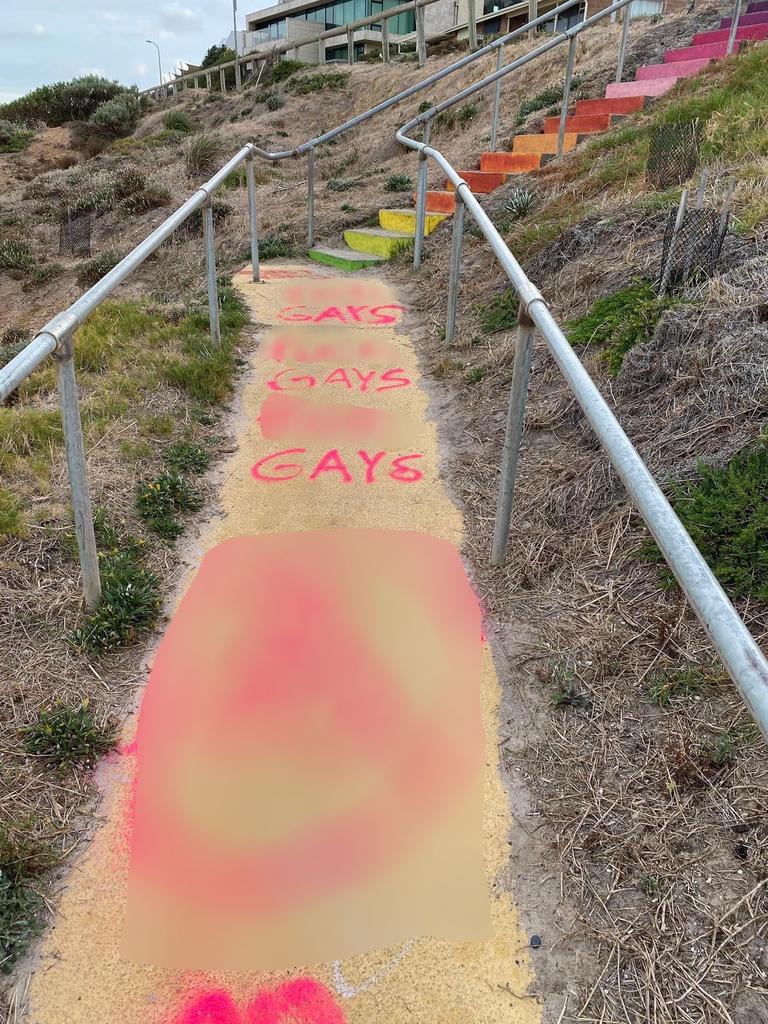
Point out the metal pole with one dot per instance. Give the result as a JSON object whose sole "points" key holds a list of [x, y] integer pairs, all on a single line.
{"points": [[310, 198], [210, 266], [385, 40], [455, 270], [572, 43], [238, 81], [350, 47], [734, 27], [623, 42], [78, 470], [421, 199], [253, 218], [667, 268], [496, 99], [513, 437], [421, 39], [472, 24]]}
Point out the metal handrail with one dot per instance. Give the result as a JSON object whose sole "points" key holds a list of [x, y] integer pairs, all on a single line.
{"points": [[734, 643]]}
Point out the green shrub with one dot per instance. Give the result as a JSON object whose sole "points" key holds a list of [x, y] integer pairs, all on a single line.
{"points": [[274, 101], [467, 112], [161, 500], [16, 255], [63, 101], [319, 82], [273, 247], [69, 736], [500, 313], [130, 602], [398, 183], [203, 152], [726, 513], [553, 94], [21, 919], [688, 681], [11, 518], [152, 197], [620, 321], [343, 184], [217, 54], [42, 274], [178, 121], [117, 117], [186, 457], [423, 107], [518, 203], [14, 137], [92, 271], [236, 180]]}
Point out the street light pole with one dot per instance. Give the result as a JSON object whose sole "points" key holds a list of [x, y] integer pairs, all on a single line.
{"points": [[159, 61], [237, 48]]}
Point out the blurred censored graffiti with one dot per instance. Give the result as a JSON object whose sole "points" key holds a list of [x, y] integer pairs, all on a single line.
{"points": [[301, 1001], [310, 756]]}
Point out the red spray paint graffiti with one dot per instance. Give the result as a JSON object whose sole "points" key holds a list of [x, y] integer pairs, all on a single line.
{"points": [[302, 1001]]}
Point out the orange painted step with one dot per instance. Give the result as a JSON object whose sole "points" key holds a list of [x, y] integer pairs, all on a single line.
{"points": [[480, 181], [510, 163], [620, 105], [543, 143], [581, 123], [440, 202]]}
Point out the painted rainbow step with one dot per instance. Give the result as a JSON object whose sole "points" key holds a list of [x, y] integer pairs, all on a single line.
{"points": [[404, 221], [721, 35], [683, 69], [543, 144], [376, 241], [344, 258], [710, 50], [612, 105], [582, 124], [759, 18], [510, 163], [480, 181], [440, 201], [650, 88]]}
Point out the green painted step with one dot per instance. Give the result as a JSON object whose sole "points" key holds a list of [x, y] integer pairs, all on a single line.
{"points": [[376, 241], [344, 258]]}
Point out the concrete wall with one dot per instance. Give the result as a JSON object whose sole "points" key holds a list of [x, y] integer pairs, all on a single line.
{"points": [[305, 32]]}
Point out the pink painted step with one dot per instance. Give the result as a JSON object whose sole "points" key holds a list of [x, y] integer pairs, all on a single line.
{"points": [[759, 18], [758, 7], [648, 87], [721, 35], [683, 69], [716, 51]]}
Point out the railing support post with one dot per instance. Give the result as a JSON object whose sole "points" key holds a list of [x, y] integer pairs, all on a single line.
{"points": [[572, 43], [209, 237], [666, 270], [223, 79], [623, 42], [238, 78], [472, 25], [734, 27], [496, 99], [385, 40], [454, 272], [513, 437], [421, 199], [208, 81], [253, 217], [533, 13], [310, 198], [350, 46], [78, 470], [421, 38]]}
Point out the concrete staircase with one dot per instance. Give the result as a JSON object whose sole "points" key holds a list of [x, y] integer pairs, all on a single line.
{"points": [[397, 228]]}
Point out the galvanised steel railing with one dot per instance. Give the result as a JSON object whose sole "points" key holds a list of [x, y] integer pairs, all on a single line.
{"points": [[56, 338]]}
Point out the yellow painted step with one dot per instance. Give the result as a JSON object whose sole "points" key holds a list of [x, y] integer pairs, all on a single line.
{"points": [[404, 221], [376, 240], [544, 144]]}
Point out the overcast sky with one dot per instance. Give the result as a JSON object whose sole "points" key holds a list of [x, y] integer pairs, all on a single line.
{"points": [[53, 40]]}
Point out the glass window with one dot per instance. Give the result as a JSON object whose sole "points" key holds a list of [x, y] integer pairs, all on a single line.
{"points": [[349, 12]]}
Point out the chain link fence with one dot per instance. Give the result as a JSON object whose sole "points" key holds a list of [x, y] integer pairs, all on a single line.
{"points": [[75, 233], [673, 154], [693, 250]]}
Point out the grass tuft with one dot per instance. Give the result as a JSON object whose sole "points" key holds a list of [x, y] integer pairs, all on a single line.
{"points": [[69, 736], [499, 313], [162, 500]]}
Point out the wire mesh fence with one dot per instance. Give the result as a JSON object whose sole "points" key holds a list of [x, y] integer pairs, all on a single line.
{"points": [[75, 233], [673, 154], [693, 250]]}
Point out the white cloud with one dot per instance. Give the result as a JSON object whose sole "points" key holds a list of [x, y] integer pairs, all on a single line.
{"points": [[178, 18], [93, 71], [38, 29], [141, 69], [164, 34]]}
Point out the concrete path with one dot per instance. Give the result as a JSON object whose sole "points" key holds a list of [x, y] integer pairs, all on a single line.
{"points": [[81, 977]]}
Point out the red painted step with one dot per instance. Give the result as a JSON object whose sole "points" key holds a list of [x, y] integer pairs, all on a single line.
{"points": [[650, 87], [618, 105], [480, 181], [758, 7], [510, 163], [715, 51], [759, 18], [582, 124], [721, 35], [683, 69], [440, 202]]}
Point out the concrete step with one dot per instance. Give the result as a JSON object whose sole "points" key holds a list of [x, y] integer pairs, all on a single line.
{"points": [[510, 163], [376, 241], [721, 35], [683, 69], [714, 51], [440, 202], [404, 221], [759, 18], [343, 258], [650, 87], [615, 105], [543, 143], [582, 124], [758, 7], [480, 181]]}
